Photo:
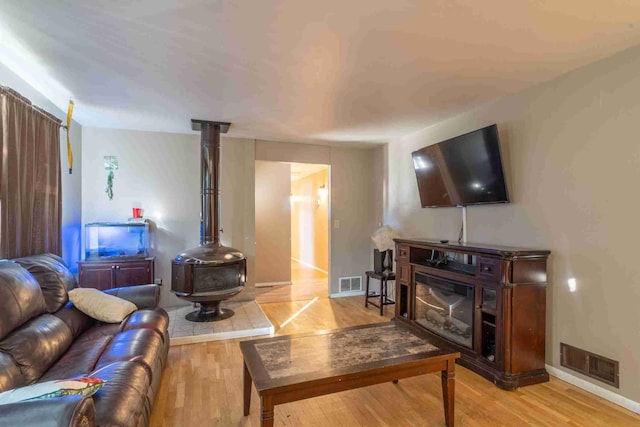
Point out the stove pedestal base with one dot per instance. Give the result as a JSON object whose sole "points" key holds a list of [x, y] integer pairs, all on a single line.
{"points": [[210, 313]]}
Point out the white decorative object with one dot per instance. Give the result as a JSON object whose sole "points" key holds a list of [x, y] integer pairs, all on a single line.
{"points": [[101, 306], [383, 238]]}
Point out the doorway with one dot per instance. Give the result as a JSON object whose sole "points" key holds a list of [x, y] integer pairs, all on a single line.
{"points": [[292, 231]]}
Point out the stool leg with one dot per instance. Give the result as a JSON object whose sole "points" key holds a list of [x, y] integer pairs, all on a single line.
{"points": [[366, 293], [383, 287]]}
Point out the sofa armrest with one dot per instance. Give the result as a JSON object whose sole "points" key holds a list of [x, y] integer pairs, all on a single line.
{"points": [[65, 411], [143, 296]]}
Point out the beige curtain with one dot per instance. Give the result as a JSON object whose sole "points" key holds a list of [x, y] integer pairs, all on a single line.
{"points": [[30, 190]]}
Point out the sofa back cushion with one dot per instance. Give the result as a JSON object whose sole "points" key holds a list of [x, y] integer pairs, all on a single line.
{"points": [[37, 344], [20, 297], [76, 320], [54, 277]]}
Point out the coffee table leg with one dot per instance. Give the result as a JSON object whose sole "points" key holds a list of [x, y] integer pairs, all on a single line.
{"points": [[448, 392], [266, 411], [247, 389]]}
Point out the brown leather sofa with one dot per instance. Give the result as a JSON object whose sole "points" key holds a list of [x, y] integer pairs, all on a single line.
{"points": [[44, 337]]}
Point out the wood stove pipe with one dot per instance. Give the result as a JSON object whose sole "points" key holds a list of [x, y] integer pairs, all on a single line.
{"points": [[210, 179]]}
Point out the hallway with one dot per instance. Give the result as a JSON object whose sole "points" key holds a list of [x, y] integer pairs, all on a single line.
{"points": [[307, 283]]}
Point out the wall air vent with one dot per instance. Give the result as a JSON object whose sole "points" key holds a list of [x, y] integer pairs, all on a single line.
{"points": [[350, 284], [590, 364]]}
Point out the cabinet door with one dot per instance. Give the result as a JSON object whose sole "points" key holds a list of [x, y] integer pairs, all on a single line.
{"points": [[403, 273], [489, 323], [99, 276], [133, 273], [403, 290]]}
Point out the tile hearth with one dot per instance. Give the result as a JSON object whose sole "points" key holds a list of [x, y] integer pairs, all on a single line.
{"points": [[248, 321]]}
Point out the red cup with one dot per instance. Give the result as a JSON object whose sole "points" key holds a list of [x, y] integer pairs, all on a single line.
{"points": [[137, 212]]}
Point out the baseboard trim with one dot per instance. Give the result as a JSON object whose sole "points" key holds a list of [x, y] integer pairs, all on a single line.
{"points": [[602, 392], [346, 294], [269, 284], [306, 264]]}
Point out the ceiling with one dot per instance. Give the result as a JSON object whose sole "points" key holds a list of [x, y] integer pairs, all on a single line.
{"points": [[303, 170], [302, 71]]}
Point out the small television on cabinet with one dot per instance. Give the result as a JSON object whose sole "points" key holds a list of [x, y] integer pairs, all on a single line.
{"points": [[461, 171]]}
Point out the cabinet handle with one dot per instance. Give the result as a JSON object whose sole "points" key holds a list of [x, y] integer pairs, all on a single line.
{"points": [[113, 267], [486, 269], [479, 307]]}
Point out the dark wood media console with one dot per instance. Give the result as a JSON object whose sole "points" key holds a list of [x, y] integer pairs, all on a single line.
{"points": [[489, 302]]}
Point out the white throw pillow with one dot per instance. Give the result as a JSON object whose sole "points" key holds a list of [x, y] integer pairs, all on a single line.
{"points": [[57, 388], [104, 307]]}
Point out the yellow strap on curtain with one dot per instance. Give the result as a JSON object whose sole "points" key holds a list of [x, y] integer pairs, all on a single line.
{"points": [[69, 151]]}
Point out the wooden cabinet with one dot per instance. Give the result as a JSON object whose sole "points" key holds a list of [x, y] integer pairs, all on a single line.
{"points": [[110, 274], [488, 302]]}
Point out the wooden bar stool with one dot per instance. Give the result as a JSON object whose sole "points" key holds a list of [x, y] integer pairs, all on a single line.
{"points": [[383, 295]]}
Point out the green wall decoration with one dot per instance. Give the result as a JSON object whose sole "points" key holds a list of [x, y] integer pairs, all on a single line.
{"points": [[110, 164]]}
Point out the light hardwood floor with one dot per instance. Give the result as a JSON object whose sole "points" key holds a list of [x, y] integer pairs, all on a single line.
{"points": [[202, 386], [306, 284]]}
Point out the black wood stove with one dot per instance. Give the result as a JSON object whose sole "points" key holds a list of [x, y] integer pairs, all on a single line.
{"points": [[209, 273]]}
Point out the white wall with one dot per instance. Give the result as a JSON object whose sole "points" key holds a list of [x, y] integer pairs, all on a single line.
{"points": [[237, 210], [71, 184], [293, 153], [351, 201], [573, 162], [273, 222], [161, 171]]}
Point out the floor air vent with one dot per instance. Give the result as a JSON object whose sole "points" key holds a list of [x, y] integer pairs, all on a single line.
{"points": [[351, 284], [591, 365]]}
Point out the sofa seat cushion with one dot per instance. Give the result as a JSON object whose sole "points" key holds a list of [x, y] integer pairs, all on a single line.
{"points": [[141, 345], [100, 330], [80, 359], [10, 376], [20, 297], [123, 399], [37, 344], [101, 306], [156, 319], [53, 276]]}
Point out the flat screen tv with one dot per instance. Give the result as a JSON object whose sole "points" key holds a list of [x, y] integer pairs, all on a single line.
{"points": [[461, 171]]}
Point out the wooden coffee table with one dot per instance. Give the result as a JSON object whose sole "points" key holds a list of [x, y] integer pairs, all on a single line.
{"points": [[294, 367]]}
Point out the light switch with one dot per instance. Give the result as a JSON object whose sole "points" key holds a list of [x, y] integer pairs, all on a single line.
{"points": [[336, 223]]}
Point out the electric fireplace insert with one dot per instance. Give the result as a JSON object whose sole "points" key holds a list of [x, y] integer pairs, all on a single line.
{"points": [[445, 308]]}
